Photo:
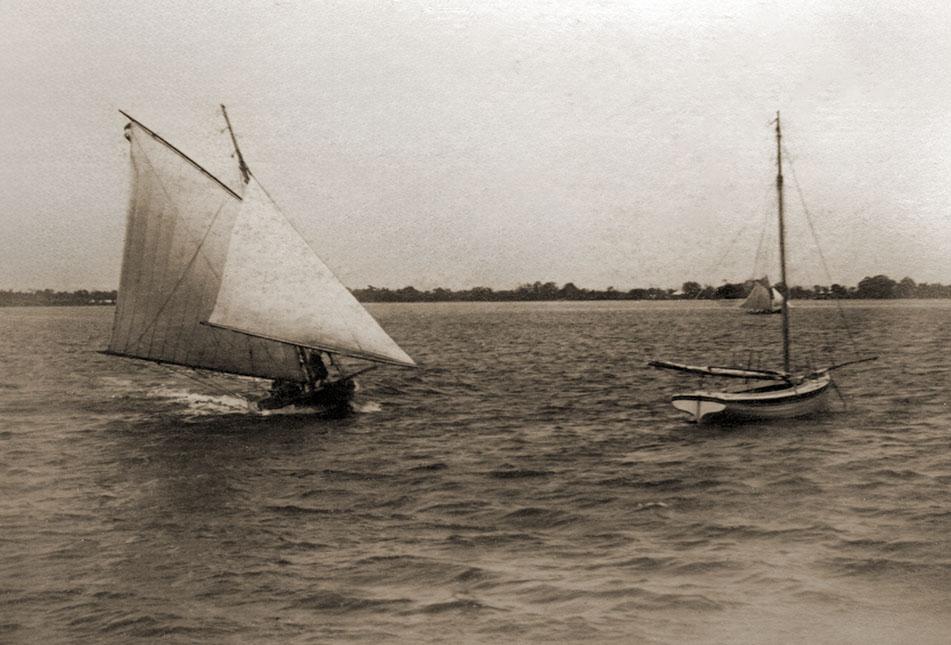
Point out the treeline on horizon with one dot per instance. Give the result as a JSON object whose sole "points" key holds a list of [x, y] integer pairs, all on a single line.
{"points": [[50, 298], [879, 287]]}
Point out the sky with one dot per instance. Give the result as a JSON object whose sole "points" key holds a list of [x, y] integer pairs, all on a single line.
{"points": [[470, 143]]}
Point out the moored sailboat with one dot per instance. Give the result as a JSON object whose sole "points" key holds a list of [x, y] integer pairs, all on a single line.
{"points": [[786, 395], [219, 281]]}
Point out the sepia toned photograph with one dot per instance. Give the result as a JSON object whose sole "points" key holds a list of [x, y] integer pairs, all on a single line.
{"points": [[458, 321]]}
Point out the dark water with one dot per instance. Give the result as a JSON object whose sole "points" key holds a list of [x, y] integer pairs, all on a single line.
{"points": [[532, 485]]}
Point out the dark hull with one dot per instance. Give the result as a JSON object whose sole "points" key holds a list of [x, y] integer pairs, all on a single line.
{"points": [[332, 399]]}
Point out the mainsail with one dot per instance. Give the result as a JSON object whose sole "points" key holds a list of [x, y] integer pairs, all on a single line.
{"points": [[179, 223], [275, 287]]}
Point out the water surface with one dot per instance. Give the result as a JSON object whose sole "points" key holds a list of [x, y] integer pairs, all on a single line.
{"points": [[532, 484]]}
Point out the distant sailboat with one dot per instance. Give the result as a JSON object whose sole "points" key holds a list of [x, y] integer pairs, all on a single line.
{"points": [[763, 299], [787, 395], [218, 281]]}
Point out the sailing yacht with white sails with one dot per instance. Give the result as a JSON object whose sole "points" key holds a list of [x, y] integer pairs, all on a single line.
{"points": [[219, 281]]}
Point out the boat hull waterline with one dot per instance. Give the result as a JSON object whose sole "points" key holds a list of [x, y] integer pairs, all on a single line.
{"points": [[784, 401], [332, 399]]}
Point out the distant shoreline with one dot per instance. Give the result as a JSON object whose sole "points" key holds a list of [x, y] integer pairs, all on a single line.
{"points": [[879, 287]]}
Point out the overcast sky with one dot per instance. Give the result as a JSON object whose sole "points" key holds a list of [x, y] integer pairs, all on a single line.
{"points": [[462, 143]]}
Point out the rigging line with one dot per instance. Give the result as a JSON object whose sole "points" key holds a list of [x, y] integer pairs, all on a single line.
{"points": [[822, 257], [178, 214], [760, 254], [203, 350], [183, 308], [235, 341], [181, 278], [246, 172], [164, 243], [742, 229], [726, 253]]}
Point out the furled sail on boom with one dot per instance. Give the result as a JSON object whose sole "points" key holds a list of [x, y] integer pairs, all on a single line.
{"points": [[274, 286]]}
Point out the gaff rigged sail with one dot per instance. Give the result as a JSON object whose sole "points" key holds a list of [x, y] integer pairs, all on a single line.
{"points": [[179, 223]]}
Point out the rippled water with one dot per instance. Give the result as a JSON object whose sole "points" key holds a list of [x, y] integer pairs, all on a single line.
{"points": [[532, 484]]}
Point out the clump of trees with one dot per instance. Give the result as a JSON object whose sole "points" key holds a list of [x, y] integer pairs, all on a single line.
{"points": [[535, 291], [878, 287], [875, 287]]}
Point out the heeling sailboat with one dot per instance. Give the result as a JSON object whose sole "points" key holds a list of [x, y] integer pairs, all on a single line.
{"points": [[787, 395], [218, 281]]}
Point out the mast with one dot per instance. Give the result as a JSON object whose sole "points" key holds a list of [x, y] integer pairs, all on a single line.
{"points": [[181, 154], [782, 245], [243, 167]]}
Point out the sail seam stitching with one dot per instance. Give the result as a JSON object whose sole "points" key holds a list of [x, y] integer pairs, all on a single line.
{"points": [[181, 277], [178, 213]]}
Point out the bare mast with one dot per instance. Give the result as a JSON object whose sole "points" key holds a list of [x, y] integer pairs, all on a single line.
{"points": [[782, 246], [243, 167]]}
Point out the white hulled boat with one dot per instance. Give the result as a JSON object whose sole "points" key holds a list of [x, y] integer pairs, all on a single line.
{"points": [[785, 394]]}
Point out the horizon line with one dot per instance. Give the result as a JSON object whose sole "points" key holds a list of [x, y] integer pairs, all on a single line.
{"points": [[516, 286]]}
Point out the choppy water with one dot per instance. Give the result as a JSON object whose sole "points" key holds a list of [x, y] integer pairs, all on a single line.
{"points": [[531, 485]]}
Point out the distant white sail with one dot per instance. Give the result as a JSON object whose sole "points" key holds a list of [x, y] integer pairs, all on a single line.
{"points": [[274, 286], [777, 297], [179, 222], [763, 298]]}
